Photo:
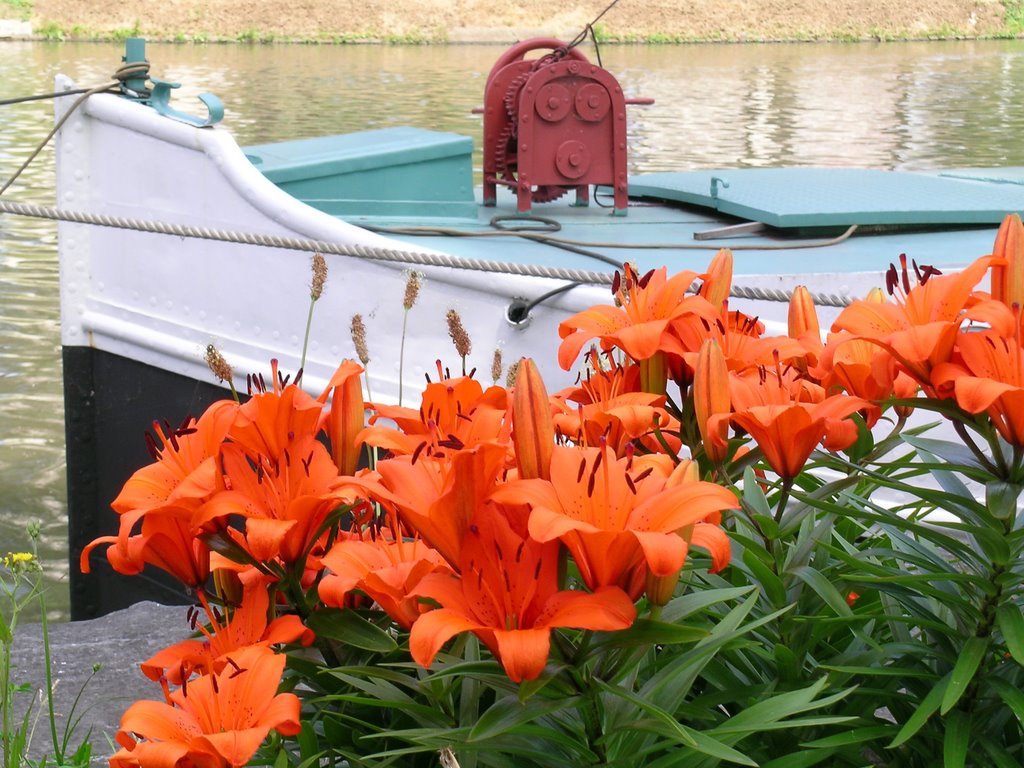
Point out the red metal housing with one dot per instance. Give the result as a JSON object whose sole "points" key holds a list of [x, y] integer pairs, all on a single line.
{"points": [[553, 124]]}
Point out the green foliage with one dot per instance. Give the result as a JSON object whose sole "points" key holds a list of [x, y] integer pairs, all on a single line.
{"points": [[253, 35], [50, 30], [20, 589], [1013, 16], [667, 691], [123, 33], [15, 9]]}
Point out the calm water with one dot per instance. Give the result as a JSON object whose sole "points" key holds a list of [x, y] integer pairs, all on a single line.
{"points": [[911, 105]]}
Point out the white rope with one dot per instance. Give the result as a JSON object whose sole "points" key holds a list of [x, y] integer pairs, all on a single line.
{"points": [[370, 253]]}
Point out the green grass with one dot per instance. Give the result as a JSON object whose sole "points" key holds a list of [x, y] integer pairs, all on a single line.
{"points": [[16, 9], [123, 33], [1013, 16]]}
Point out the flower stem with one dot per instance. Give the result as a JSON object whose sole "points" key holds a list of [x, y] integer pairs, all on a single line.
{"points": [[787, 485], [401, 358], [58, 753], [305, 338]]}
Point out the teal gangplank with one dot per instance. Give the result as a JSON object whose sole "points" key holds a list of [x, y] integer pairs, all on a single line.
{"points": [[827, 197]]}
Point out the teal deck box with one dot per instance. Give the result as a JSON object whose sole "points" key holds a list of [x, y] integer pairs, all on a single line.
{"points": [[387, 172]]}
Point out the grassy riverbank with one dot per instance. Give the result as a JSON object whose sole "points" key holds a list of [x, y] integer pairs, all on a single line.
{"points": [[439, 21]]}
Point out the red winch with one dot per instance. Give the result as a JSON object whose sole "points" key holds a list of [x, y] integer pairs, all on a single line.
{"points": [[553, 124]]}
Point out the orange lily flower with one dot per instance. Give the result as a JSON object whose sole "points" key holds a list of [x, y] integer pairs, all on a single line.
{"points": [[613, 514], [454, 414], [217, 721], [247, 627], [167, 540], [863, 369], [184, 466], [991, 379], [386, 570], [647, 304], [921, 328], [283, 499], [163, 496], [613, 411], [741, 339], [274, 417], [632, 417], [438, 498], [787, 433], [508, 596]]}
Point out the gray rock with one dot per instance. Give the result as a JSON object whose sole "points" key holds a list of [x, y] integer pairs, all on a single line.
{"points": [[117, 643]]}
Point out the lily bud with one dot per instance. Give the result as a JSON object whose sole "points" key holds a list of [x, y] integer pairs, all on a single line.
{"points": [[876, 296], [803, 317], [661, 589], [718, 279], [711, 396], [533, 433], [1008, 278], [347, 415]]}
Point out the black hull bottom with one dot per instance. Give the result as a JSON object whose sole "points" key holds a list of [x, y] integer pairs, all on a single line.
{"points": [[109, 402]]}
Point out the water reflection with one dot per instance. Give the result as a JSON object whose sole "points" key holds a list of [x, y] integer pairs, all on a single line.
{"points": [[913, 105]]}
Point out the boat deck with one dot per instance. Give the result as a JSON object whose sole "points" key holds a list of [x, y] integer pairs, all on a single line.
{"points": [[416, 186], [684, 236]]}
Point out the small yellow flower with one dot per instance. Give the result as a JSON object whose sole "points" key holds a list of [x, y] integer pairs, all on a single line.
{"points": [[20, 562]]}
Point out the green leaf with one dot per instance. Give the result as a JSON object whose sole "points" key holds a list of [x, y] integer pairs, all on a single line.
{"points": [[1011, 695], [1000, 757], [767, 524], [753, 495], [772, 585], [308, 744], [349, 627], [763, 714], [223, 544], [853, 736], [955, 453], [648, 632], [1001, 498], [507, 713], [785, 660], [1010, 621], [924, 710], [663, 723], [864, 443], [956, 740], [824, 589], [689, 604], [966, 666], [805, 758], [994, 545]]}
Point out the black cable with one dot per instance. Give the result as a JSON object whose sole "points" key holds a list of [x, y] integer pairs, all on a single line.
{"points": [[528, 307], [40, 97]]}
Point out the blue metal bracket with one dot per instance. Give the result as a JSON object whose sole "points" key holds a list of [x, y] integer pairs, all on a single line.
{"points": [[717, 181], [159, 96]]}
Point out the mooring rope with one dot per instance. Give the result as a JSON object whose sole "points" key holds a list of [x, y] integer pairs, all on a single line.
{"points": [[372, 253], [124, 72]]}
